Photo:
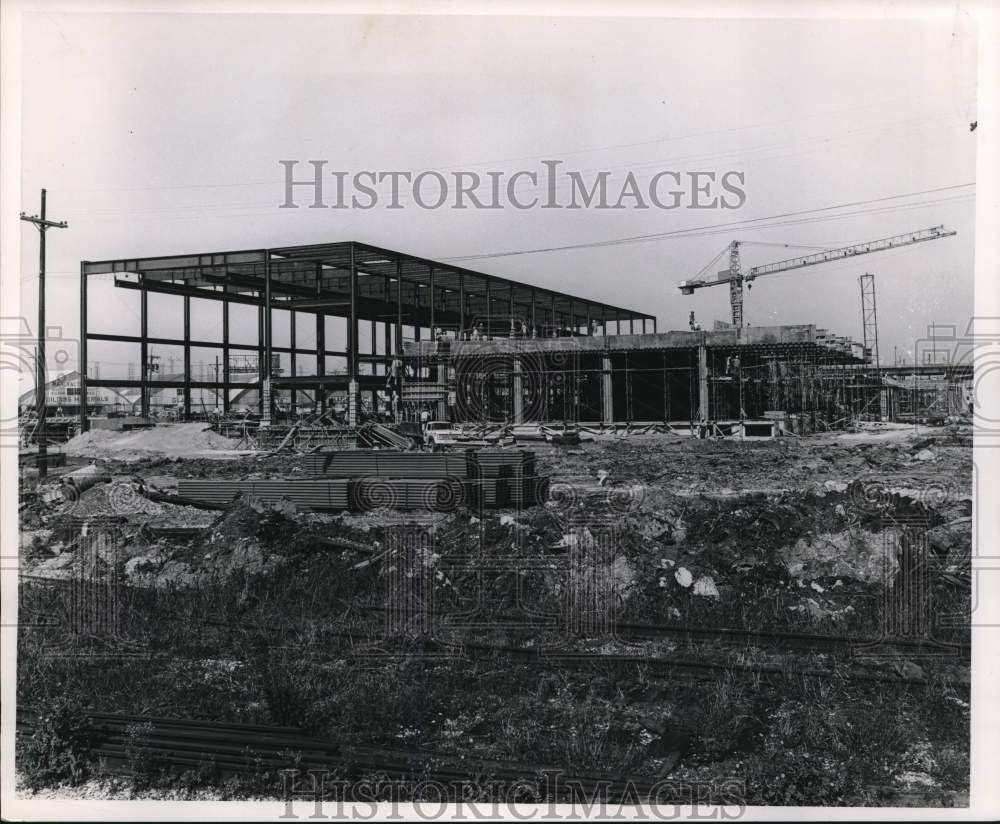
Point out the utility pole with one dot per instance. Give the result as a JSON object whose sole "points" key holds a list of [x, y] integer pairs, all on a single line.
{"points": [[43, 225]]}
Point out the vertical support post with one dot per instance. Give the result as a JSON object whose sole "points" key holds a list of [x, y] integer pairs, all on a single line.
{"points": [[607, 391], [534, 320], [666, 389], [517, 389], [352, 346], [143, 349], [399, 307], [266, 372], [260, 359], [320, 399], [433, 292], [43, 225], [187, 357], [461, 305], [291, 342], [554, 327], [83, 348], [702, 382], [225, 348], [40, 400], [489, 310], [631, 325], [387, 327]]}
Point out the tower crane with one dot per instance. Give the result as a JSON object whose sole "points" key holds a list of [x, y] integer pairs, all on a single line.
{"points": [[735, 276]]}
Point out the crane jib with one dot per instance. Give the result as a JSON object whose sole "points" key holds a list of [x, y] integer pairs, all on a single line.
{"points": [[736, 277]]}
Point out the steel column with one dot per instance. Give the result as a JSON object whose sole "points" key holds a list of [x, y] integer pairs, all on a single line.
{"points": [[607, 391], [83, 349], [187, 358], [433, 302], [225, 351], [352, 345], [144, 351], [399, 307], [260, 359], [461, 305], [291, 343], [517, 389], [266, 381], [320, 399], [489, 310], [703, 412]]}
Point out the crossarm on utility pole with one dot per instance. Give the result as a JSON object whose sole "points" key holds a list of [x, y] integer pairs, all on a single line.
{"points": [[41, 223]]}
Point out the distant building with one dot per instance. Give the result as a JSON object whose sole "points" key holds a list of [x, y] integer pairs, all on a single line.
{"points": [[62, 398]]}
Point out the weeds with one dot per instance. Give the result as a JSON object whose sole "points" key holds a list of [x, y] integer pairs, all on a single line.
{"points": [[58, 748]]}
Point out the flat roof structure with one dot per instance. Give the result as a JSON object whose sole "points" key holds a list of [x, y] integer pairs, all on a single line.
{"points": [[318, 278], [351, 280]]}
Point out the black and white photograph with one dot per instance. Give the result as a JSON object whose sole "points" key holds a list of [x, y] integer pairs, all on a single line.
{"points": [[425, 412]]}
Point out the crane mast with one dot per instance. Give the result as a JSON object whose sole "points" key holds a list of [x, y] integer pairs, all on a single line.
{"points": [[735, 276]]}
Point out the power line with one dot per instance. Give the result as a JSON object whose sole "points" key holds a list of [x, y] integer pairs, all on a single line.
{"points": [[708, 227], [43, 224]]}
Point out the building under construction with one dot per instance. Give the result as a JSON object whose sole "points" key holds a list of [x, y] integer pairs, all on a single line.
{"points": [[676, 378], [421, 336], [345, 311]]}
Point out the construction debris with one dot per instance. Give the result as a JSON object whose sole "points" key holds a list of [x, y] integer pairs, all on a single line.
{"points": [[363, 480]]}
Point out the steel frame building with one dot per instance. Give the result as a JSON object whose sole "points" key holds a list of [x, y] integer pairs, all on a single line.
{"points": [[351, 280]]}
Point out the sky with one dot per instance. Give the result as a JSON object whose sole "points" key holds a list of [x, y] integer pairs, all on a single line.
{"points": [[162, 134]]}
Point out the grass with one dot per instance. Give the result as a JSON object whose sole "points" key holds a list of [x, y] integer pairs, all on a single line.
{"points": [[269, 649]]}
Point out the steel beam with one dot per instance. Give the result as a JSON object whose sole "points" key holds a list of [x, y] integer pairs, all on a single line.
{"points": [[300, 305]]}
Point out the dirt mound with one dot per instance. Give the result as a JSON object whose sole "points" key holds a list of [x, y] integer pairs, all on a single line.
{"points": [[171, 440]]}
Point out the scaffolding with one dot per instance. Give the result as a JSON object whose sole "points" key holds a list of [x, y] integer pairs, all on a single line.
{"points": [[869, 317]]}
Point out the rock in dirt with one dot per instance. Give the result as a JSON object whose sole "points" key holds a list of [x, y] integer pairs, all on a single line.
{"points": [[909, 671], [925, 455], [856, 553], [705, 587], [683, 577]]}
